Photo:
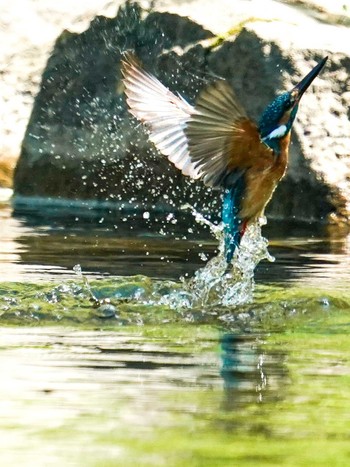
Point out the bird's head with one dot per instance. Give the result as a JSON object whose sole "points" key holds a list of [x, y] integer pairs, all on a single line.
{"points": [[278, 117]]}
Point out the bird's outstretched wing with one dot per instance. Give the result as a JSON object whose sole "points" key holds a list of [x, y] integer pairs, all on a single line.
{"points": [[164, 114], [213, 140], [220, 136]]}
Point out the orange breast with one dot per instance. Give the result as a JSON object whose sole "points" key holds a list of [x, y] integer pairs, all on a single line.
{"points": [[263, 169], [261, 179]]}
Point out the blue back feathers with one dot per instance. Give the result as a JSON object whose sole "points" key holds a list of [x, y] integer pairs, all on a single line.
{"points": [[230, 218]]}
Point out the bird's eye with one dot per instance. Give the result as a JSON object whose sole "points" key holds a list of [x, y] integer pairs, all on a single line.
{"points": [[288, 104]]}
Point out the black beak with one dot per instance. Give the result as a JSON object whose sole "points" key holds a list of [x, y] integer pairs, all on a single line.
{"points": [[300, 88]]}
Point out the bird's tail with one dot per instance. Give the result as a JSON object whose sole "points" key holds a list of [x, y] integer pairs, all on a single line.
{"points": [[233, 225]]}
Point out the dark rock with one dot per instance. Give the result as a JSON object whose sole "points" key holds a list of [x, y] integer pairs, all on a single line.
{"points": [[81, 142]]}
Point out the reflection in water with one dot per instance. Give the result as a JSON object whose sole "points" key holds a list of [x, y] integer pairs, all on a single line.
{"points": [[153, 388], [15, 244], [71, 382], [162, 396], [250, 374], [44, 245]]}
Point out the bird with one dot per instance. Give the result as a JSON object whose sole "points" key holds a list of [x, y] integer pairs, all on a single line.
{"points": [[215, 141]]}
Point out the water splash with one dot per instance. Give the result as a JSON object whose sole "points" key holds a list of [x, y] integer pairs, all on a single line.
{"points": [[79, 272], [218, 284]]}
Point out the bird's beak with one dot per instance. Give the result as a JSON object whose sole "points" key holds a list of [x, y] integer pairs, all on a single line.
{"points": [[300, 88]]}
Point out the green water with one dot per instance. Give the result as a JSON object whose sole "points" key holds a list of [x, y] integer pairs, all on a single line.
{"points": [[105, 374]]}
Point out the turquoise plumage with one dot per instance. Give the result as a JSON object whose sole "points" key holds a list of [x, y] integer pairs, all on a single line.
{"points": [[215, 141]]}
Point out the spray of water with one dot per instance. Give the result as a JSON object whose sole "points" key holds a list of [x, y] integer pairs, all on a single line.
{"points": [[218, 284]]}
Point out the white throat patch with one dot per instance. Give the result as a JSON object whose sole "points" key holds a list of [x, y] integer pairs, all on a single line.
{"points": [[277, 132]]}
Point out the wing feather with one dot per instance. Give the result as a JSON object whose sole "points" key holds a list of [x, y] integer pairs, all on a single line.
{"points": [[163, 112], [218, 134], [211, 140]]}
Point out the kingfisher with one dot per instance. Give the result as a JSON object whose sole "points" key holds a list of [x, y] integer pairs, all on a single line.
{"points": [[214, 140]]}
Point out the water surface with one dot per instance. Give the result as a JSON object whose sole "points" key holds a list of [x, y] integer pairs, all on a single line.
{"points": [[107, 372]]}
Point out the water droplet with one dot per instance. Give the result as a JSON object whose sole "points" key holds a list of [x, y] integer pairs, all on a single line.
{"points": [[77, 270], [218, 283]]}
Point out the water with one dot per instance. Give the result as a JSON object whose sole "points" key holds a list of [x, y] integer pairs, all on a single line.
{"points": [[44, 244], [101, 365]]}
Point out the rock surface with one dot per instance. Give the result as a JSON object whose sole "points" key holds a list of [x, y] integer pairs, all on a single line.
{"points": [[28, 30], [81, 142]]}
